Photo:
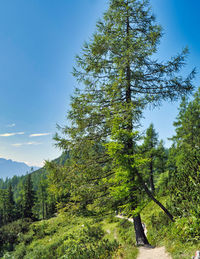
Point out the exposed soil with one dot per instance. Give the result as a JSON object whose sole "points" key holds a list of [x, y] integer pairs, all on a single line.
{"points": [[153, 253]]}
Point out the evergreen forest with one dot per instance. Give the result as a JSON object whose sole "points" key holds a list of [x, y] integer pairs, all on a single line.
{"points": [[109, 166]]}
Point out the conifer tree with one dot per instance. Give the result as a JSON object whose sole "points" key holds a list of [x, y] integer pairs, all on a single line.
{"points": [[7, 206], [121, 78], [28, 198], [185, 176], [161, 159], [42, 196], [149, 151], [11, 205], [4, 218]]}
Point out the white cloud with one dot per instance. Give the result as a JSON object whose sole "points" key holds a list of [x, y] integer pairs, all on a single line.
{"points": [[11, 125], [39, 134], [17, 144], [11, 134], [33, 143], [26, 144]]}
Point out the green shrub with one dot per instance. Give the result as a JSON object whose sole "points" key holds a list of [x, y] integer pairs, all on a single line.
{"points": [[88, 243], [61, 237], [20, 251], [10, 233], [186, 229]]}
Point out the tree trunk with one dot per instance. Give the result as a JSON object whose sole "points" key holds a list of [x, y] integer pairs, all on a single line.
{"points": [[139, 232], [151, 196]]}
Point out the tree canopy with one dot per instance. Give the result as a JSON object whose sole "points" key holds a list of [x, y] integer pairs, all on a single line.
{"points": [[120, 77]]}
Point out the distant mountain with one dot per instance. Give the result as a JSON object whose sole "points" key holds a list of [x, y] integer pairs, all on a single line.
{"points": [[36, 177], [9, 168]]}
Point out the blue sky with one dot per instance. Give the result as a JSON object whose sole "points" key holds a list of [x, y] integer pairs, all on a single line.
{"points": [[38, 43]]}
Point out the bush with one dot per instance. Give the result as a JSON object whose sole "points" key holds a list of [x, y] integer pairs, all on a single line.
{"points": [[60, 237], [10, 233], [88, 243], [126, 232]]}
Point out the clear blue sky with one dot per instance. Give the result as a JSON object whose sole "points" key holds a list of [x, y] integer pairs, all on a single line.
{"points": [[38, 43]]}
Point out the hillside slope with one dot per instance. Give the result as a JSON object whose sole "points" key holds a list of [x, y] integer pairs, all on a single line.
{"points": [[70, 236]]}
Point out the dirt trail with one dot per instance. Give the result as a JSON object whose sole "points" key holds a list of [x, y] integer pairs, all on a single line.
{"points": [[153, 253], [149, 253]]}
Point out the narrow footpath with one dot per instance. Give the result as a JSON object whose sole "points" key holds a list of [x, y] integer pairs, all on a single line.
{"points": [[149, 253], [153, 253]]}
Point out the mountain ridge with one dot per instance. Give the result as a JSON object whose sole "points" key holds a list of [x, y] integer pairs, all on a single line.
{"points": [[9, 168]]}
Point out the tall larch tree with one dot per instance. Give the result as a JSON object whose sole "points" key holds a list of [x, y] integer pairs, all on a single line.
{"points": [[121, 78]]}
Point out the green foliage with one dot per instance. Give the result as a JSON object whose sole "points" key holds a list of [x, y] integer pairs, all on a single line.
{"points": [[88, 243], [10, 233], [120, 78], [8, 211], [126, 232], [155, 157], [161, 158], [163, 184], [180, 183], [42, 196], [64, 237], [117, 87], [28, 198], [185, 170], [181, 238], [149, 151], [123, 231]]}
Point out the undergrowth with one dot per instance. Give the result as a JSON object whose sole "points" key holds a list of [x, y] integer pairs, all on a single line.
{"points": [[73, 237], [64, 237], [123, 231], [181, 238]]}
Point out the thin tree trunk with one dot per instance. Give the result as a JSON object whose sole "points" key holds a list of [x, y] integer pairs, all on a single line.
{"points": [[152, 197], [141, 238]]}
